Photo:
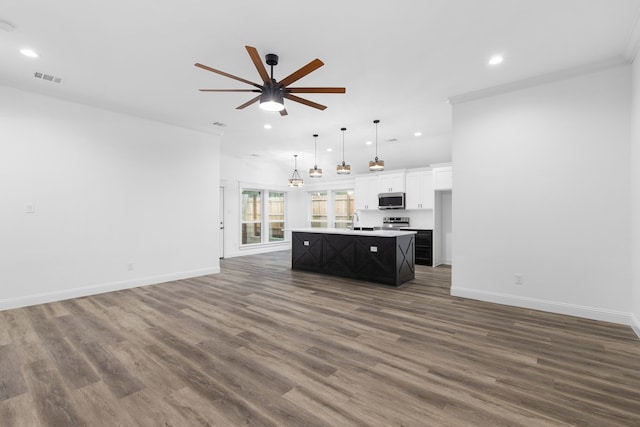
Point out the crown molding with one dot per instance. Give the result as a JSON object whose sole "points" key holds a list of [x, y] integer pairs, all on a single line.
{"points": [[539, 80], [633, 46]]}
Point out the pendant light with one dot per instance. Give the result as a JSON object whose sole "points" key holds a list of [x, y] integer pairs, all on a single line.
{"points": [[295, 180], [343, 169], [315, 172], [376, 165]]}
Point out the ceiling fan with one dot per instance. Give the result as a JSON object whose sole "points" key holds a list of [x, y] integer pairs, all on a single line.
{"points": [[272, 92]]}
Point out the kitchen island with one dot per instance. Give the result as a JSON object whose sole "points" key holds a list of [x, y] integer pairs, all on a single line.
{"points": [[384, 256]]}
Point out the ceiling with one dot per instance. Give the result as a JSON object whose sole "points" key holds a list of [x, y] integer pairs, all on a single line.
{"points": [[400, 62]]}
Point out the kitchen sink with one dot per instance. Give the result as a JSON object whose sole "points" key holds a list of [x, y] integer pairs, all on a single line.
{"points": [[365, 228]]}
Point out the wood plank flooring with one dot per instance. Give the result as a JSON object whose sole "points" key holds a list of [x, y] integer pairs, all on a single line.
{"points": [[262, 345]]}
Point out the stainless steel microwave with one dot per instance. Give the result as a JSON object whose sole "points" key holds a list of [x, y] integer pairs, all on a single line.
{"points": [[391, 201]]}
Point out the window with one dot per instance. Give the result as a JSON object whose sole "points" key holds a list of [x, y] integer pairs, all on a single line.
{"points": [[332, 209], [344, 208], [251, 217], [262, 210], [276, 217], [319, 210]]}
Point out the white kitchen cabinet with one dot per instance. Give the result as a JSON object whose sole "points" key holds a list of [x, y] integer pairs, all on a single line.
{"points": [[391, 183], [443, 178], [420, 193], [366, 193]]}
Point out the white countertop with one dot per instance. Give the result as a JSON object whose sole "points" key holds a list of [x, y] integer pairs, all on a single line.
{"points": [[374, 233]]}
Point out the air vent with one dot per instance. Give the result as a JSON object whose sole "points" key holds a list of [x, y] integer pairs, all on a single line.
{"points": [[220, 124], [47, 77], [392, 140]]}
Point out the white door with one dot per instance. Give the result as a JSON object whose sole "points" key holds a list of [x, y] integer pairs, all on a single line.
{"points": [[221, 239]]}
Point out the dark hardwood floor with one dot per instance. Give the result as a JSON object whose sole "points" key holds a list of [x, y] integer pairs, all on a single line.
{"points": [[260, 344]]}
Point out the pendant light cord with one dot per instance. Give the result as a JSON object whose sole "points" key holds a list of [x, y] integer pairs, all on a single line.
{"points": [[376, 122], [343, 129], [315, 150]]}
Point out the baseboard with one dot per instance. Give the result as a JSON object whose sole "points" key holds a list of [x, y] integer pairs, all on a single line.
{"points": [[635, 324], [550, 306], [261, 249], [43, 298]]}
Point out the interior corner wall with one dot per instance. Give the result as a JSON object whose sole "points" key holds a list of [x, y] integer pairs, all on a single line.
{"points": [[118, 201], [542, 190], [635, 195]]}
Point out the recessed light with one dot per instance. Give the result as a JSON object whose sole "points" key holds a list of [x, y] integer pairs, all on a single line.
{"points": [[329, 149], [368, 142], [417, 134], [496, 60], [267, 126], [28, 52]]}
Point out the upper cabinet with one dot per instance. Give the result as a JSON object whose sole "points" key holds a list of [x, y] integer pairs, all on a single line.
{"points": [[443, 178], [419, 190], [418, 185], [366, 193], [368, 188], [391, 183]]}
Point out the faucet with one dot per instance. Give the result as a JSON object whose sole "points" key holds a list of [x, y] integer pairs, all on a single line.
{"points": [[354, 219]]}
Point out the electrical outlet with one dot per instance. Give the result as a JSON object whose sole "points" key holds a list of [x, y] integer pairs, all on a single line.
{"points": [[30, 208], [130, 266], [519, 280]]}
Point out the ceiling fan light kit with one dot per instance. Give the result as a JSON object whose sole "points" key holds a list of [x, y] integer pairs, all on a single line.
{"points": [[343, 168], [295, 180], [271, 99], [271, 92], [315, 172], [376, 165]]}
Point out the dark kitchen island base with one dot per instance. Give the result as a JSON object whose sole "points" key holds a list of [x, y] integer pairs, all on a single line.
{"points": [[379, 256]]}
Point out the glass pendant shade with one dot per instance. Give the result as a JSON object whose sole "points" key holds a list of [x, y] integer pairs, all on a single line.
{"points": [[271, 99], [295, 180], [343, 169], [315, 172], [377, 164]]}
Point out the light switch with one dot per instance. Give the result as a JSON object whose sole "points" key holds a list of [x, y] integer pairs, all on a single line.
{"points": [[306, 243], [373, 248], [30, 208]]}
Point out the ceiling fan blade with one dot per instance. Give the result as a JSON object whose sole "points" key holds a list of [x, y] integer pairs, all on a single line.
{"points": [[246, 104], [297, 75], [305, 101], [255, 57], [231, 76], [283, 112], [315, 90], [229, 90]]}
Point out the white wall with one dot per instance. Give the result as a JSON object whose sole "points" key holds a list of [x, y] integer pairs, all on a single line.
{"points": [[635, 195], [119, 201], [443, 228], [542, 189]]}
